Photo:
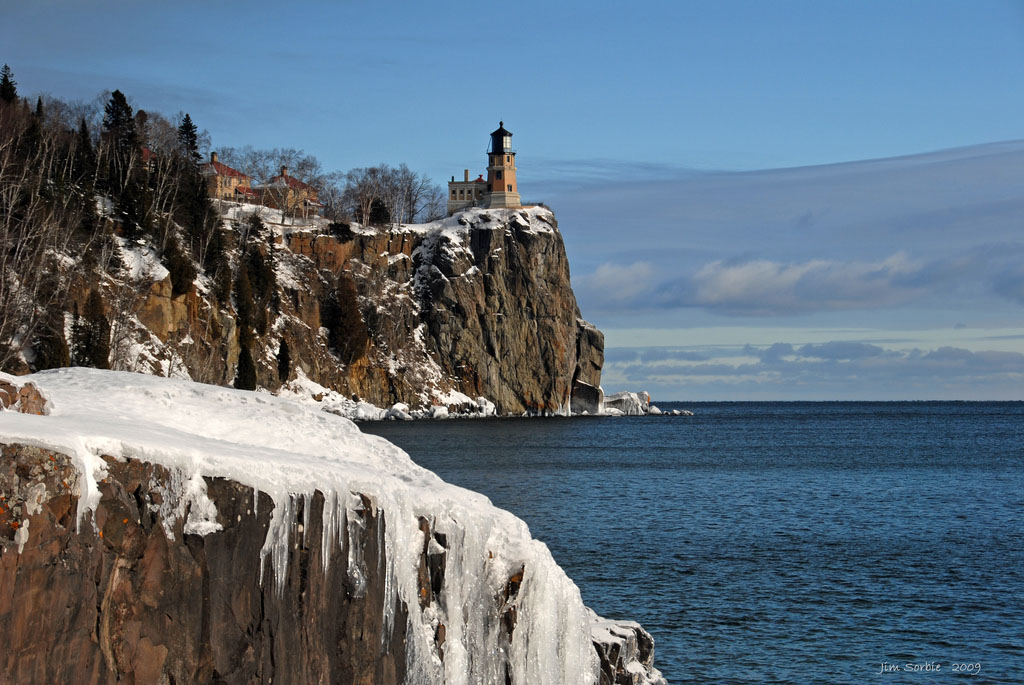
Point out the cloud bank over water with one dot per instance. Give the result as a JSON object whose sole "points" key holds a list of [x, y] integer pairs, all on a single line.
{"points": [[924, 242], [835, 370]]}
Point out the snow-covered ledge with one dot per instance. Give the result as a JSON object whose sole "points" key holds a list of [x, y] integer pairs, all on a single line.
{"points": [[294, 452]]}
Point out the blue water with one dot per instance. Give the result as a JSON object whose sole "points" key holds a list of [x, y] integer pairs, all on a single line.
{"points": [[775, 542]]}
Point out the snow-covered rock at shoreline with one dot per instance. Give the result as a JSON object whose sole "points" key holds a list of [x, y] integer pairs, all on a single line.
{"points": [[636, 404], [292, 450], [444, 405]]}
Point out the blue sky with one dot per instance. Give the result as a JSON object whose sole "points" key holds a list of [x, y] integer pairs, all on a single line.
{"points": [[705, 159]]}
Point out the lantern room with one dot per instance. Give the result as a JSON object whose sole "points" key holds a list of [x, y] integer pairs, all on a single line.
{"points": [[501, 141]]}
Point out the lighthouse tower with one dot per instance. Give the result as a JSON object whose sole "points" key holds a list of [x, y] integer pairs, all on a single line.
{"points": [[502, 190]]}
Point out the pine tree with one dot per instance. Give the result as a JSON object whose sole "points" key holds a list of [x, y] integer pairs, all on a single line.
{"points": [[188, 140], [181, 269], [284, 361], [40, 112], [222, 278], [245, 378], [119, 128], [118, 121], [196, 211], [215, 250], [8, 86], [85, 157], [32, 137], [340, 315], [261, 275]]}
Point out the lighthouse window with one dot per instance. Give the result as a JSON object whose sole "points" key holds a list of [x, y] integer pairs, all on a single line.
{"points": [[510, 188], [498, 174], [453, 194], [508, 158]]}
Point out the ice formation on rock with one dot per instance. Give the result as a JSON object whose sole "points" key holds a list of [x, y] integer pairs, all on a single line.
{"points": [[291, 450]]}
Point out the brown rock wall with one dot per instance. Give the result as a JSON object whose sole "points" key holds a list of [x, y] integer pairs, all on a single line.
{"points": [[118, 601]]}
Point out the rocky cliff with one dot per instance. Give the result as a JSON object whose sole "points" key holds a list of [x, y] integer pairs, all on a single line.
{"points": [[158, 531], [477, 305]]}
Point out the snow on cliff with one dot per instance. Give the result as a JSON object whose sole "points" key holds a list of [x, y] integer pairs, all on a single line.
{"points": [[289, 450]]}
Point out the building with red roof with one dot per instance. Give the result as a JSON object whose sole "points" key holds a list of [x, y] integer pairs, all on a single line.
{"points": [[291, 196], [225, 183]]}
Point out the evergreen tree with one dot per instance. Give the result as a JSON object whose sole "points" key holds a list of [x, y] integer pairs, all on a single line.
{"points": [[118, 121], [245, 378], [222, 279], [261, 275], [215, 250], [340, 315], [119, 128], [8, 86], [85, 157], [134, 203], [181, 269], [91, 334], [196, 211], [253, 229], [32, 138], [244, 305], [40, 112], [284, 361], [188, 140]]}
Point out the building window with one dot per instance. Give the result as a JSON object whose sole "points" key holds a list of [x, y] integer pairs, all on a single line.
{"points": [[508, 158], [498, 174], [453, 194], [510, 188]]}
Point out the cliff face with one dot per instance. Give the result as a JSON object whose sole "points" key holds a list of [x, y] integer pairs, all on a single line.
{"points": [[156, 531], [477, 305], [123, 600]]}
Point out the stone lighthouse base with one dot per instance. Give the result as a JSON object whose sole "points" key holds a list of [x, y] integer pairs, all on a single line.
{"points": [[502, 200]]}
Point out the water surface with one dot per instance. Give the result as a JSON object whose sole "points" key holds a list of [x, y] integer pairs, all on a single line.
{"points": [[774, 542]]}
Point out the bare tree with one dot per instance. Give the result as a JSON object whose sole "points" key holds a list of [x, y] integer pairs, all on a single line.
{"points": [[37, 221]]}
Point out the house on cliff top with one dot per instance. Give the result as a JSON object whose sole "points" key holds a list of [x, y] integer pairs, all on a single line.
{"points": [[500, 190], [225, 183], [291, 195]]}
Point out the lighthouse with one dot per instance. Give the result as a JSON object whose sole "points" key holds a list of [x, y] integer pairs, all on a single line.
{"points": [[502, 191]]}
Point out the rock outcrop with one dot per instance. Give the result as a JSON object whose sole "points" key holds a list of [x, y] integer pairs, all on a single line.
{"points": [[477, 305], [123, 601]]}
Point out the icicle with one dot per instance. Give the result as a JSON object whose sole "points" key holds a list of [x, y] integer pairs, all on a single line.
{"points": [[276, 544], [329, 529], [356, 566], [307, 505]]}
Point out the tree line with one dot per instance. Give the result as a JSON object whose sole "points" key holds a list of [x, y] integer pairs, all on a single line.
{"points": [[76, 178], [380, 195]]}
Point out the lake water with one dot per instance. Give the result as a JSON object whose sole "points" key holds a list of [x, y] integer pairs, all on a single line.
{"points": [[775, 542]]}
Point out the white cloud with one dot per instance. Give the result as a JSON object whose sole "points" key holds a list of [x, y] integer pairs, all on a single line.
{"points": [[618, 283], [763, 287]]}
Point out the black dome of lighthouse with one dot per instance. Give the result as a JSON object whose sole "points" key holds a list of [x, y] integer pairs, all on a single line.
{"points": [[501, 140]]}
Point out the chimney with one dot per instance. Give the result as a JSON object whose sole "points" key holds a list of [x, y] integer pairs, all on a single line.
{"points": [[465, 176], [284, 170], [453, 179], [213, 157]]}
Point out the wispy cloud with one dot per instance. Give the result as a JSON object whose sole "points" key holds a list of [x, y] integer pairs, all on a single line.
{"points": [[834, 370], [770, 288]]}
